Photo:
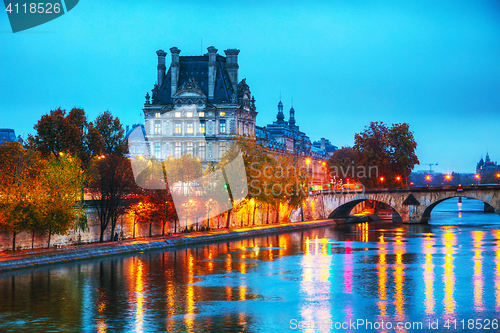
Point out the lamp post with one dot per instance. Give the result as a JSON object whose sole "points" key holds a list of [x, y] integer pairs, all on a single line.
{"points": [[208, 214], [133, 234], [309, 168], [427, 178], [448, 177], [381, 179], [477, 179], [187, 210], [498, 177]]}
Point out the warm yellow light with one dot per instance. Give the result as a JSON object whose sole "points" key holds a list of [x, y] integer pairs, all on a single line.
{"points": [[477, 175], [381, 179], [428, 177], [498, 175], [308, 161], [447, 176], [398, 178]]}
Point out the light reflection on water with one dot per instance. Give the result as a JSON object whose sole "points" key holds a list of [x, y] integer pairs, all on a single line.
{"points": [[363, 271]]}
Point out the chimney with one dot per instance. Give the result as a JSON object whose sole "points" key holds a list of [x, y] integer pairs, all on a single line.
{"points": [[174, 70], [161, 66], [232, 67], [323, 146], [212, 70]]}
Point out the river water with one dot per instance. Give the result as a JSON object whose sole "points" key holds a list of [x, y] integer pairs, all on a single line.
{"points": [[445, 274]]}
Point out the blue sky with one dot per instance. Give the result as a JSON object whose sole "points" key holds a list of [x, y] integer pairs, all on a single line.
{"points": [[435, 65]]}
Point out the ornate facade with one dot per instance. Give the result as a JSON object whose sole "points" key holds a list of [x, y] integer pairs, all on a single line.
{"points": [[197, 105]]}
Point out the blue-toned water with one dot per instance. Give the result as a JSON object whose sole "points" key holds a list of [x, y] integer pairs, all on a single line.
{"points": [[367, 274]]}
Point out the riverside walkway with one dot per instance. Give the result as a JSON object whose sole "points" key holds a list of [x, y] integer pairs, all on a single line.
{"points": [[37, 257]]}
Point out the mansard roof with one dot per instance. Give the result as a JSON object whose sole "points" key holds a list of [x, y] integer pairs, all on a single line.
{"points": [[196, 67]]}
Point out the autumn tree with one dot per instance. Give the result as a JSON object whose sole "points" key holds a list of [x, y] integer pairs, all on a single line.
{"points": [[342, 163], [162, 207], [38, 195], [58, 132], [112, 134], [384, 152], [271, 180], [111, 180], [60, 181], [18, 180], [402, 150]]}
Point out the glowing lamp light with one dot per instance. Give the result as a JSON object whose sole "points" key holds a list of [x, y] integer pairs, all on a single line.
{"points": [[381, 179], [398, 178], [448, 177], [308, 161], [477, 176], [428, 177], [498, 175]]}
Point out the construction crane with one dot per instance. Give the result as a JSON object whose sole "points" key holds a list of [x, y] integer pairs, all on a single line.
{"points": [[430, 166]]}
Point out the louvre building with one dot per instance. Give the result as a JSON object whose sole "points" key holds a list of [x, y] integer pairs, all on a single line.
{"points": [[198, 104]]}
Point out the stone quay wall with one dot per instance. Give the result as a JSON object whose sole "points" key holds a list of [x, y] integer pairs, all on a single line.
{"points": [[312, 210]]}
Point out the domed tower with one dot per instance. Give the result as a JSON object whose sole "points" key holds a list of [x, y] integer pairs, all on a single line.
{"points": [[292, 117], [280, 115]]}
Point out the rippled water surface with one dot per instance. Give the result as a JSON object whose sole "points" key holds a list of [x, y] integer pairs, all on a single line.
{"points": [[447, 271]]}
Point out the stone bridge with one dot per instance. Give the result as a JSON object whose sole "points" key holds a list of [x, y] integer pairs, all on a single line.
{"points": [[414, 205]]}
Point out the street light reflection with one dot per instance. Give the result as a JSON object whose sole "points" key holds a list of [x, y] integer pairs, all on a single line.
{"points": [[478, 270], [429, 273], [449, 241]]}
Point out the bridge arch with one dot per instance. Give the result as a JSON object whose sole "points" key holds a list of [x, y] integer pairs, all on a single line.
{"points": [[426, 215], [344, 210]]}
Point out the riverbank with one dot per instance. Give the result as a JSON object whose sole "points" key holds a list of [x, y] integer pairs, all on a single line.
{"points": [[26, 259]]}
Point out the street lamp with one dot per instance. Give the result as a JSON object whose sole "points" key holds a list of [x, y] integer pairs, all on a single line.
{"points": [[498, 177], [427, 178], [448, 177], [398, 179], [477, 179]]}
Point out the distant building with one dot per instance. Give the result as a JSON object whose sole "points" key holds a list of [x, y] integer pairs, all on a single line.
{"points": [[486, 165], [135, 139], [325, 145], [7, 134], [286, 137]]}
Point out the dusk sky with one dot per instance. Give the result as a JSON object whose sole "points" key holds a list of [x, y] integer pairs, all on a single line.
{"points": [[433, 64]]}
